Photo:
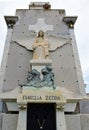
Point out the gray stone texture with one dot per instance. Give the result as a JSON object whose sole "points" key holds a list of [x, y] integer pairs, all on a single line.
{"points": [[60, 120], [1, 117], [17, 66], [70, 107], [77, 122], [0, 106], [12, 106], [77, 63], [84, 106], [9, 122], [22, 120], [84, 118], [5, 58], [73, 122]]}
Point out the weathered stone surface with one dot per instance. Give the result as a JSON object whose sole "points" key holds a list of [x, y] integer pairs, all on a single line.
{"points": [[60, 120], [12, 106], [0, 106], [77, 67], [1, 118], [17, 67], [73, 122], [41, 95], [22, 120], [84, 118], [12, 95], [5, 59], [84, 106], [70, 107], [9, 122]]}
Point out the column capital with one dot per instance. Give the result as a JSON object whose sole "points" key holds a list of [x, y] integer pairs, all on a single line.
{"points": [[60, 106], [70, 21], [22, 106], [11, 20]]}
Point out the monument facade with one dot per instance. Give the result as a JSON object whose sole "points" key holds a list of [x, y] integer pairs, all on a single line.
{"points": [[41, 80]]}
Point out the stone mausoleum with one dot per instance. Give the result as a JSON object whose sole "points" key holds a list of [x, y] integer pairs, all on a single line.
{"points": [[41, 83]]}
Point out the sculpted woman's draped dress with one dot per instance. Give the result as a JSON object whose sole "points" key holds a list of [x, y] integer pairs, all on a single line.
{"points": [[40, 47]]}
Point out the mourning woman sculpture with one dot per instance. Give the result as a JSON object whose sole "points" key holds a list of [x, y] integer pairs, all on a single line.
{"points": [[34, 80], [40, 47]]}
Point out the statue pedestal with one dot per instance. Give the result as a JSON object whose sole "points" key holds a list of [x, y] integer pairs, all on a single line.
{"points": [[40, 64]]}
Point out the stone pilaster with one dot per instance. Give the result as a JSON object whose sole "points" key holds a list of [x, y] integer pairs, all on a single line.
{"points": [[77, 63], [22, 118], [60, 120], [10, 21]]}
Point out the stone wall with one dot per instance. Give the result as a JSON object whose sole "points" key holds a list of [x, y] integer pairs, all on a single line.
{"points": [[77, 122], [73, 122], [8, 121]]}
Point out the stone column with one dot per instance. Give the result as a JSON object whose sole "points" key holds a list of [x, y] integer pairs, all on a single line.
{"points": [[22, 118], [60, 119]]}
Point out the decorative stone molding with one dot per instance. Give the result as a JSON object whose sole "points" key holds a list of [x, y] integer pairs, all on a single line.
{"points": [[61, 11], [47, 6], [22, 106], [40, 5], [59, 107], [70, 21], [11, 20]]}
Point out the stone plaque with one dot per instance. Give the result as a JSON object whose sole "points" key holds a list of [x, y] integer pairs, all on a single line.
{"points": [[41, 95]]}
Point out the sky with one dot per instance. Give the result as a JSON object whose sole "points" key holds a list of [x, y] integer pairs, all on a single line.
{"points": [[78, 8]]}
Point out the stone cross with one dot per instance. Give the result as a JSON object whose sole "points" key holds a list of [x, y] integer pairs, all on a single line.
{"points": [[41, 25]]}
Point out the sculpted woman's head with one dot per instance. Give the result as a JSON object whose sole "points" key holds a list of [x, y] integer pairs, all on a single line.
{"points": [[40, 33]]}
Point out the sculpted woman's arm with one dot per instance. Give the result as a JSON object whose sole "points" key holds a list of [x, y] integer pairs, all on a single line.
{"points": [[34, 44]]}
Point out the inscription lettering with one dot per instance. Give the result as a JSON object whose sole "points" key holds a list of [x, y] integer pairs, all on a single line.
{"points": [[32, 98], [53, 98]]}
